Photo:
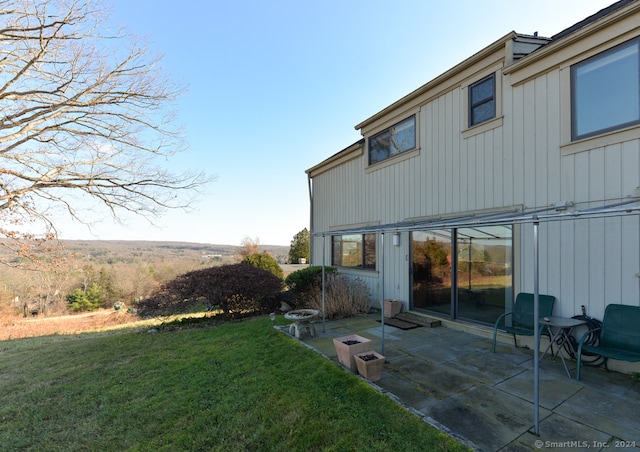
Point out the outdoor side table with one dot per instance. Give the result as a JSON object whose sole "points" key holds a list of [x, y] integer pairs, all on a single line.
{"points": [[560, 328]]}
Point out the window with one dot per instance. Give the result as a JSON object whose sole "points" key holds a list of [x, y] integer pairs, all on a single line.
{"points": [[357, 250], [482, 100], [605, 91], [393, 141]]}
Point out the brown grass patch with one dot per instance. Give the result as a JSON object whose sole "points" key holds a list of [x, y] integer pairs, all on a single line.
{"points": [[12, 327]]}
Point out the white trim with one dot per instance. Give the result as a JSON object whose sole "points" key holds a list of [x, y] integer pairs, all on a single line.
{"points": [[600, 141], [392, 160], [482, 127]]}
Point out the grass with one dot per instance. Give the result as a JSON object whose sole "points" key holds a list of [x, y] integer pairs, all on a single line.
{"points": [[239, 386]]}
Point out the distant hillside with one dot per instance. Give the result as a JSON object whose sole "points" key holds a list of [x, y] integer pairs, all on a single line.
{"points": [[120, 249], [128, 269]]}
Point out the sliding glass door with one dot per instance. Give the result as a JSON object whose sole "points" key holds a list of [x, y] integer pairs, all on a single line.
{"points": [[481, 273], [431, 270], [484, 279]]}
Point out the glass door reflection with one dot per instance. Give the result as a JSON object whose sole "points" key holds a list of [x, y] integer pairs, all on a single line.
{"points": [[481, 275], [484, 279], [431, 270]]}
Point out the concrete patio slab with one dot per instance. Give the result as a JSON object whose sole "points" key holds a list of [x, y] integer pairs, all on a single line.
{"points": [[430, 380], [561, 434], [554, 390], [602, 409], [488, 417], [452, 380], [487, 368]]}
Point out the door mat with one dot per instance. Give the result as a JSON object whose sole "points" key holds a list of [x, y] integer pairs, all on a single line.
{"points": [[400, 324]]}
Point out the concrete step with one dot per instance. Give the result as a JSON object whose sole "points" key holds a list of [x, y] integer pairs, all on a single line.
{"points": [[418, 319]]}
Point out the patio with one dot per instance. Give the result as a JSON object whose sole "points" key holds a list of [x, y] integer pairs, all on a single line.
{"points": [[451, 379]]}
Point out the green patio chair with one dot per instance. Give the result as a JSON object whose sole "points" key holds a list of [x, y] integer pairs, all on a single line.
{"points": [[522, 317], [619, 336]]}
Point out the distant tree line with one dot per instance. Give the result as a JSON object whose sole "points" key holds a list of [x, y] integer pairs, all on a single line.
{"points": [[88, 278]]}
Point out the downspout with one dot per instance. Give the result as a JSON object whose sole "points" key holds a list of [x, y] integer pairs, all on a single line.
{"points": [[324, 289], [382, 289], [309, 184]]}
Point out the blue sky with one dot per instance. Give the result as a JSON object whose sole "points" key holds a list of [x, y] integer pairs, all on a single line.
{"points": [[275, 87]]}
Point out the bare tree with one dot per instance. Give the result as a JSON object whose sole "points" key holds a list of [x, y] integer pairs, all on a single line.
{"points": [[83, 119], [249, 246]]}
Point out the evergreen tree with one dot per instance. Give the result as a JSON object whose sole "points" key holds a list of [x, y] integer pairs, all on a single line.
{"points": [[300, 247], [79, 300]]}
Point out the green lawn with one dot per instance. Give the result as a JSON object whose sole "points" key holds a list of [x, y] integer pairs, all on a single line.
{"points": [[239, 386]]}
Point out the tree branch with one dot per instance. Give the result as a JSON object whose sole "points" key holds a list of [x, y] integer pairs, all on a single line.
{"points": [[82, 116]]}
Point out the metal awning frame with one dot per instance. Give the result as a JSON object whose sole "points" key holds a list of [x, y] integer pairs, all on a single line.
{"points": [[515, 215]]}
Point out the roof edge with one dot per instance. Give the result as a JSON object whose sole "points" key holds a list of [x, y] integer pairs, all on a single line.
{"points": [[592, 18], [337, 158], [473, 59], [586, 27]]}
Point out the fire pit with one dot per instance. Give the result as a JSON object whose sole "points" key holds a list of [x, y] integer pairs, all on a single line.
{"points": [[301, 319]]}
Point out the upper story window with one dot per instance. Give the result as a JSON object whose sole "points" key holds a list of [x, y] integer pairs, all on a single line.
{"points": [[605, 91], [482, 100], [355, 250], [396, 139]]}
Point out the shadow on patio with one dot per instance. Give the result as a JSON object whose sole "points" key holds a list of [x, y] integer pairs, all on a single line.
{"points": [[451, 379]]}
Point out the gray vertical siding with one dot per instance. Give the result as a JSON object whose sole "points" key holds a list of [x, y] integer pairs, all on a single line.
{"points": [[585, 262]]}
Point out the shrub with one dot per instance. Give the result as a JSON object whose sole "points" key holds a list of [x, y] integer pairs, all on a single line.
{"points": [[344, 297], [306, 279], [266, 262], [79, 300], [239, 290]]}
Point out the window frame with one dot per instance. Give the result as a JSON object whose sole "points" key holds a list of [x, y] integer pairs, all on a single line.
{"points": [[367, 257], [389, 129], [471, 105], [573, 79]]}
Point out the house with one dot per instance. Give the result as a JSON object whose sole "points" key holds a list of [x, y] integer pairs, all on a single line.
{"points": [[520, 166]]}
